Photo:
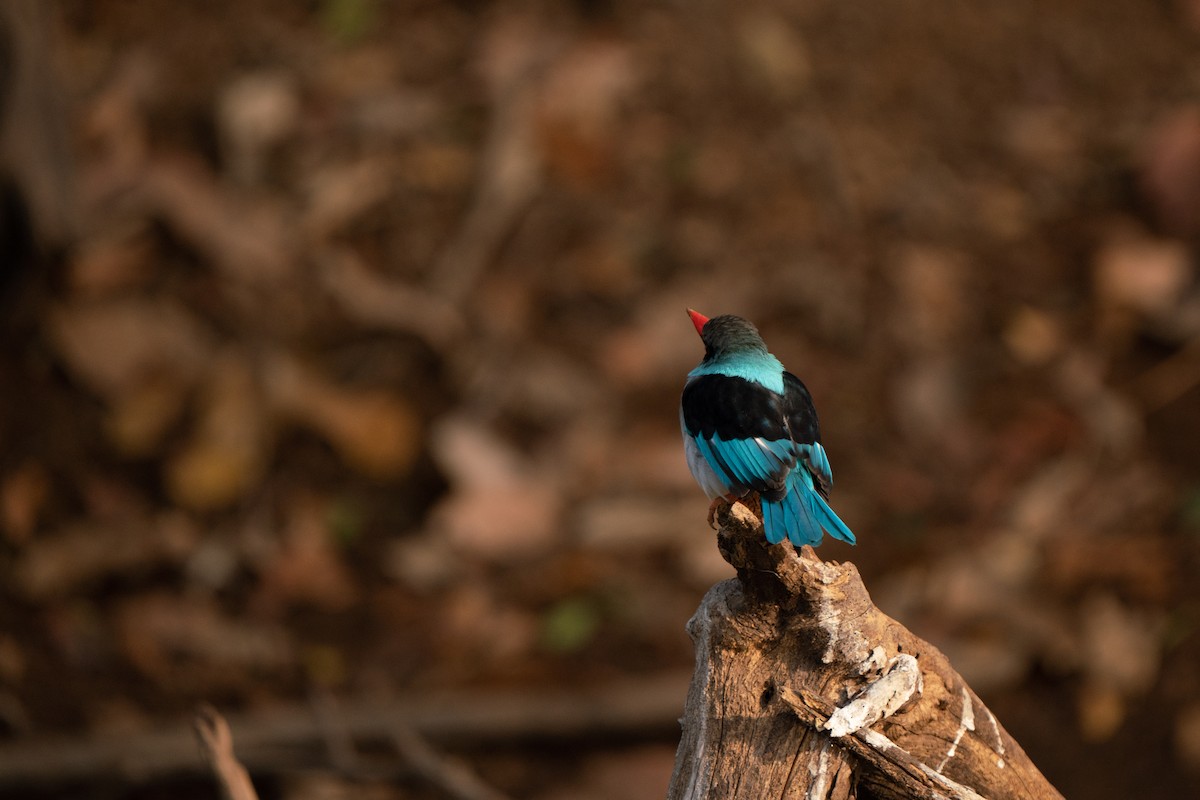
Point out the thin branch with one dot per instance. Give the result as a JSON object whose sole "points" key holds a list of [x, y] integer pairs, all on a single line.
{"points": [[335, 733], [453, 776], [216, 742], [293, 737]]}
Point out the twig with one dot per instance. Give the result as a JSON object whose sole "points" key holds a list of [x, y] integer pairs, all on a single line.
{"points": [[511, 169], [1170, 379], [292, 737], [336, 735], [454, 777], [216, 742], [378, 302]]}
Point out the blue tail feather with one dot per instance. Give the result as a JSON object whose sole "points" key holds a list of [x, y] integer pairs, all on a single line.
{"points": [[802, 514], [773, 523]]}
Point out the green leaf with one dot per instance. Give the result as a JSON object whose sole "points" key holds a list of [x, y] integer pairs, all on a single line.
{"points": [[347, 21], [570, 625]]}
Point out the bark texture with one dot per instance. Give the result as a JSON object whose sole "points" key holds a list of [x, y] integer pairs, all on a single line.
{"points": [[803, 688]]}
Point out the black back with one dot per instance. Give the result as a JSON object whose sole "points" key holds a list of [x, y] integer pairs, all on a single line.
{"points": [[736, 408]]}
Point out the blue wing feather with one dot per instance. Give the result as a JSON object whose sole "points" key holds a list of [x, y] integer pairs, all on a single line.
{"points": [[752, 438], [817, 462], [748, 463], [744, 465]]}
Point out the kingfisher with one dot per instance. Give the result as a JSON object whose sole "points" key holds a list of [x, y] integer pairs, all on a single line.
{"points": [[749, 425]]}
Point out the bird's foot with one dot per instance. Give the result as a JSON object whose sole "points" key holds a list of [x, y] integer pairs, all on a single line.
{"points": [[727, 500], [712, 511]]}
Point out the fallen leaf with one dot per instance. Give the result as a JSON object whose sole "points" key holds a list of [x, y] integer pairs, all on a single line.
{"points": [[114, 127], [1169, 173], [1187, 736], [112, 262], [23, 495], [423, 562], [1102, 710], [374, 301], [177, 640], [776, 53], [114, 345], [1142, 274], [246, 238], [481, 629], [641, 773], [307, 568], [639, 522], [473, 455], [377, 432], [116, 716], [1122, 645], [503, 523], [73, 559], [1046, 136], [12, 660], [1033, 336], [141, 416], [255, 113], [228, 450], [339, 194], [579, 109], [499, 507], [933, 307]]}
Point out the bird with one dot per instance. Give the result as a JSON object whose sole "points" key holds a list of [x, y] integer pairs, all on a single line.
{"points": [[749, 425]]}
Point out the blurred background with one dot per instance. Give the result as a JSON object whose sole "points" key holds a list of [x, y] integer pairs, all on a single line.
{"points": [[342, 343]]}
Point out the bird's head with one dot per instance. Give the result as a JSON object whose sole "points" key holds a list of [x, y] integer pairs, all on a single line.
{"points": [[726, 335]]}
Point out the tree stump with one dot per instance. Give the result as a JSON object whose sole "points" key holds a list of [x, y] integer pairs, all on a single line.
{"points": [[803, 688]]}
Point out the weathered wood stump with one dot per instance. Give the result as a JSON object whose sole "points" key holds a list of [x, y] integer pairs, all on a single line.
{"points": [[803, 688]]}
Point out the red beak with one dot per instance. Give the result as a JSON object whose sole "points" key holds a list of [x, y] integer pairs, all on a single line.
{"points": [[698, 320]]}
